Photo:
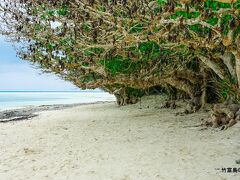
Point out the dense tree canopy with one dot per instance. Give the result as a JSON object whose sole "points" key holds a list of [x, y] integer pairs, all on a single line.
{"points": [[126, 47]]}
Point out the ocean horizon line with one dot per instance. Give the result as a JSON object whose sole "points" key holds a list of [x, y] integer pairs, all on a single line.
{"points": [[49, 91]]}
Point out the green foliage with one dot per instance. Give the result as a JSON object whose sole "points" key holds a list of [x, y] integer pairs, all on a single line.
{"points": [[93, 51], [225, 89], [63, 11], [135, 92], [51, 13], [226, 18], [150, 50], [136, 28], [88, 78], [214, 5], [212, 21], [236, 32], [86, 27], [66, 42], [102, 8], [201, 31], [237, 5], [161, 2], [185, 14], [37, 27], [51, 46], [118, 64], [43, 17]]}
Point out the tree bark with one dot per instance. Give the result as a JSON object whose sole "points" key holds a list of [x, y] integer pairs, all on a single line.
{"points": [[123, 97], [237, 58], [227, 61], [215, 67], [204, 88]]}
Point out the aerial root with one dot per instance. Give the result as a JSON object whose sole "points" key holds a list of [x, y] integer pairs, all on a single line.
{"points": [[124, 100]]}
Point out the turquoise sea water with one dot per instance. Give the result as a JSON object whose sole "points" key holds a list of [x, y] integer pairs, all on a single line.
{"points": [[20, 99]]}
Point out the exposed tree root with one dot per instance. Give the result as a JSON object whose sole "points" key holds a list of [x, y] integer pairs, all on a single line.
{"points": [[169, 104], [225, 115], [192, 106]]}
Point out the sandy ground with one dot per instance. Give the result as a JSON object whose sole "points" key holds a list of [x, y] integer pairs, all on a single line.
{"points": [[103, 141]]}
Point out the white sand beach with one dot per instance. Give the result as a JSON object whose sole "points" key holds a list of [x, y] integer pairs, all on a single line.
{"points": [[107, 142]]}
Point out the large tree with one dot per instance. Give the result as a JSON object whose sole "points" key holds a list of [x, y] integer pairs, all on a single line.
{"points": [[126, 47]]}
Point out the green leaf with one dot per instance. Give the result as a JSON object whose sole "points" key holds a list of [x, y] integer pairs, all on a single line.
{"points": [[212, 21], [51, 46], [51, 13], [62, 11], [136, 28], [161, 2]]}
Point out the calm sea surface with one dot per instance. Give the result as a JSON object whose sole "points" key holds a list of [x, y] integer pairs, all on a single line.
{"points": [[20, 99]]}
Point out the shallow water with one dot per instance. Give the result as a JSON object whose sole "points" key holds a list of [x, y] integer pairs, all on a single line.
{"points": [[20, 99]]}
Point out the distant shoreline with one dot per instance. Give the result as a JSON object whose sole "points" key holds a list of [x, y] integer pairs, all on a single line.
{"points": [[12, 99], [28, 112]]}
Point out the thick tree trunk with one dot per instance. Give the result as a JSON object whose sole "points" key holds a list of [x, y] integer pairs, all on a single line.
{"points": [[237, 58], [212, 65], [228, 62], [125, 100], [204, 88], [123, 97]]}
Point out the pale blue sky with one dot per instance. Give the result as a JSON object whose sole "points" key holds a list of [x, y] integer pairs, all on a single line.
{"points": [[16, 74]]}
